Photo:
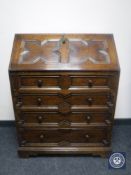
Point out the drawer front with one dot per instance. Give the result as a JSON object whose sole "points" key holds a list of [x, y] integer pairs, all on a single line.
{"points": [[66, 81], [93, 99], [91, 81], [39, 81], [57, 119], [64, 136]]}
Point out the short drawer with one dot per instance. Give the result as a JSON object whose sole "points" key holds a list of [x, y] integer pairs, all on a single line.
{"points": [[64, 137], [67, 120], [91, 81], [39, 81]]}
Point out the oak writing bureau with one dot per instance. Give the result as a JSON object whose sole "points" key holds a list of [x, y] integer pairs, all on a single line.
{"points": [[64, 89]]}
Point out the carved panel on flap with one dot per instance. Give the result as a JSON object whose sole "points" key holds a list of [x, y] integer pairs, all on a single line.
{"points": [[64, 51]]}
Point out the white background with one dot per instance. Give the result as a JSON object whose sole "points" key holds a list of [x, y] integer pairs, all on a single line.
{"points": [[66, 16]]}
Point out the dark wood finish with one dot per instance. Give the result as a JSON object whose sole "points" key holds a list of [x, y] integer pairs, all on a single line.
{"points": [[64, 90], [63, 136], [50, 119]]}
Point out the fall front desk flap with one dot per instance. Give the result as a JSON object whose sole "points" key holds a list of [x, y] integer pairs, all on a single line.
{"points": [[64, 52]]}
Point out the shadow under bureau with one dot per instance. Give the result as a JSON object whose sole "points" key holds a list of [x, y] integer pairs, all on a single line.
{"points": [[64, 90]]}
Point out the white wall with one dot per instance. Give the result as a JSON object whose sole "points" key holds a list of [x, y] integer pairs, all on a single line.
{"points": [[66, 16]]}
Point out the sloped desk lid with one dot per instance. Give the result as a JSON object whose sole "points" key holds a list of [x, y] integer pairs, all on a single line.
{"points": [[64, 52]]}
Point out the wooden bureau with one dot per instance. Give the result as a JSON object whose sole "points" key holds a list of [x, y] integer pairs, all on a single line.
{"points": [[64, 90]]}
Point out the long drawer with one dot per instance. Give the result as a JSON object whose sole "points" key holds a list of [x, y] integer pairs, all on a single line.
{"points": [[50, 119], [62, 81], [90, 99], [64, 137]]}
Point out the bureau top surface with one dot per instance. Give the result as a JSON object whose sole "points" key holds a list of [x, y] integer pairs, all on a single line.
{"points": [[64, 52]]}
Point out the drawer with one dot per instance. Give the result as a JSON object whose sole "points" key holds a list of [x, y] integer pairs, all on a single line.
{"points": [[68, 81], [91, 81], [64, 137], [59, 120], [39, 81], [90, 99]]}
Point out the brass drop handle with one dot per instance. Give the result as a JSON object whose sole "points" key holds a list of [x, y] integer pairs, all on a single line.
{"points": [[23, 142], [19, 104], [40, 118], [88, 118], [90, 83], [41, 137], [39, 83], [21, 122], [39, 101], [108, 122], [87, 136], [105, 142], [89, 100], [110, 105]]}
